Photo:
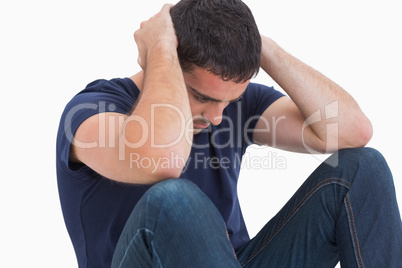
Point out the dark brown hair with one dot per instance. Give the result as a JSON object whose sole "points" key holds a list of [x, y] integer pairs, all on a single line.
{"points": [[218, 35]]}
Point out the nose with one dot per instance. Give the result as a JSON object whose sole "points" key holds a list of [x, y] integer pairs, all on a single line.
{"points": [[214, 113]]}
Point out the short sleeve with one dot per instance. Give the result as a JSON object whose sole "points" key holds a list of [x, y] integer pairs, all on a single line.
{"points": [[254, 103], [98, 97]]}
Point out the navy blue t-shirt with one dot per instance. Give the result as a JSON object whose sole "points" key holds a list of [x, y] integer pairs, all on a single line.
{"points": [[95, 208]]}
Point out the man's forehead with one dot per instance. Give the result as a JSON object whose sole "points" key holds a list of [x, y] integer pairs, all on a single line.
{"points": [[209, 98], [210, 86]]}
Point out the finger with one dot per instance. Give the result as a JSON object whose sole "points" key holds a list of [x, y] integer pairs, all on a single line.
{"points": [[139, 61], [167, 7], [143, 23], [136, 33]]}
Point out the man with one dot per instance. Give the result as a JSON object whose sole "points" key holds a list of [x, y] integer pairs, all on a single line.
{"points": [[148, 165]]}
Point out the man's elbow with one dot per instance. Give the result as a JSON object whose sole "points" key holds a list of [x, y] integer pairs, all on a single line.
{"points": [[167, 173], [363, 133], [151, 176], [367, 132], [161, 174], [158, 166]]}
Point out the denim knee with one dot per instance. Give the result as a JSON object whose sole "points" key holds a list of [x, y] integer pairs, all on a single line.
{"points": [[174, 189], [364, 156], [177, 196], [366, 163]]}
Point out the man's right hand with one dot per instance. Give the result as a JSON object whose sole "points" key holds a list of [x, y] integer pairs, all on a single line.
{"points": [[157, 32]]}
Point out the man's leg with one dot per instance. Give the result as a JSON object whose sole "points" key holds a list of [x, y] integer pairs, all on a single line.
{"points": [[174, 225], [347, 213]]}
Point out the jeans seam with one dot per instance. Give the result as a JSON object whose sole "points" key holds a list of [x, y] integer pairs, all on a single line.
{"points": [[298, 206], [131, 242], [353, 232], [156, 255]]}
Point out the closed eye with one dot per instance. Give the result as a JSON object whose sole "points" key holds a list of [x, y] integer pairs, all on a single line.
{"points": [[203, 99], [238, 99], [200, 98]]}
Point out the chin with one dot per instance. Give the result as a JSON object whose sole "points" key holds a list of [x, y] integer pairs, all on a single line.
{"points": [[196, 131]]}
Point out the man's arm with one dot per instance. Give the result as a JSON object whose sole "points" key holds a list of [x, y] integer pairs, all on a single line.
{"points": [[319, 116], [144, 134]]}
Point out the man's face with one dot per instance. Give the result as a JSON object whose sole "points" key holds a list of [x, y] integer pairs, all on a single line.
{"points": [[209, 95]]}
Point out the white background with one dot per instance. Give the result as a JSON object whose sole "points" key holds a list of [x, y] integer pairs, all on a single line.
{"points": [[51, 49]]}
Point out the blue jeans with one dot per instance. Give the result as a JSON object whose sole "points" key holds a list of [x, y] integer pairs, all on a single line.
{"points": [[346, 213]]}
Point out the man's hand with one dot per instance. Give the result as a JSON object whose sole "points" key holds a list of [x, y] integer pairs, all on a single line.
{"points": [[157, 32]]}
